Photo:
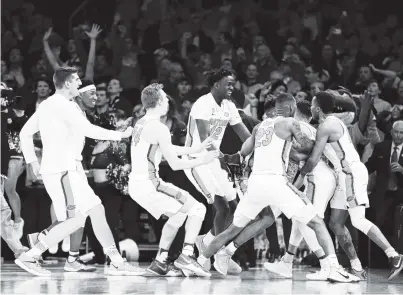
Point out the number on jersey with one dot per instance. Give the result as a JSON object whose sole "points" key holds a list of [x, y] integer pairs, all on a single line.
{"points": [[136, 134], [263, 136], [216, 132]]}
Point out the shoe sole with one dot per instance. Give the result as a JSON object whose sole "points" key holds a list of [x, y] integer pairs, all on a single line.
{"points": [[277, 273], [24, 267], [396, 273], [187, 271], [78, 270], [167, 275]]}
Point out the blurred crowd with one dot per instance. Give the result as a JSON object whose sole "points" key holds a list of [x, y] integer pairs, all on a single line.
{"points": [[295, 46]]}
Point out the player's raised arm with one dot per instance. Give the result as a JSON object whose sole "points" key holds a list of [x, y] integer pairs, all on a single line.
{"points": [[73, 115], [302, 142], [322, 137], [163, 137], [27, 139]]}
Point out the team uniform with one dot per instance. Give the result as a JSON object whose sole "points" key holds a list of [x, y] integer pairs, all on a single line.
{"points": [[321, 184], [63, 129], [268, 184], [354, 179], [211, 179], [145, 185]]}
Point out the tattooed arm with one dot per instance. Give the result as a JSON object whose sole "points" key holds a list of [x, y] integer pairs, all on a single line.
{"points": [[301, 142], [322, 137]]}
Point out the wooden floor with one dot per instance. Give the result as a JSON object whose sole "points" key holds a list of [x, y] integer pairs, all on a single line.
{"points": [[255, 281]]}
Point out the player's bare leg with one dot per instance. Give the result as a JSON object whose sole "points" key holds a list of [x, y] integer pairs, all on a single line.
{"points": [[359, 221], [337, 222], [60, 230]]}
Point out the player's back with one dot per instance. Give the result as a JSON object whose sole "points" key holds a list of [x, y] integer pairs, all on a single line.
{"points": [[59, 140], [271, 151], [145, 156], [344, 147], [329, 153]]}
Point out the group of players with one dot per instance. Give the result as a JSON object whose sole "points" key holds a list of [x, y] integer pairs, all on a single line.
{"points": [[330, 169]]}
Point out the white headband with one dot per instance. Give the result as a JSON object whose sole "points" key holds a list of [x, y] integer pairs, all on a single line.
{"points": [[87, 88]]}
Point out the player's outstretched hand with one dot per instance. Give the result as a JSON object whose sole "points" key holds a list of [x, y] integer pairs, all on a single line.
{"points": [[210, 156], [128, 132]]}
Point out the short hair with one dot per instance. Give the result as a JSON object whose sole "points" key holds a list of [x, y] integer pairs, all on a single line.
{"points": [[101, 88], [42, 80], [269, 104], [151, 95], [285, 98], [62, 75], [215, 75], [304, 107], [326, 101]]}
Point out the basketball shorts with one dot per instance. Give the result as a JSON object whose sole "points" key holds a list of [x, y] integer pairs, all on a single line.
{"points": [[353, 183], [212, 180], [70, 192], [157, 197], [274, 191], [320, 187]]}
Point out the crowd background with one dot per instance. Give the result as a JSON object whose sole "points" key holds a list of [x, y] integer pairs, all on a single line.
{"points": [[294, 46]]}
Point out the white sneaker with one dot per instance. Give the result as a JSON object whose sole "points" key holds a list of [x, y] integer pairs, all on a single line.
{"points": [[320, 275], [221, 262], [124, 269], [201, 247], [339, 275], [66, 244], [31, 265], [280, 268], [233, 268]]}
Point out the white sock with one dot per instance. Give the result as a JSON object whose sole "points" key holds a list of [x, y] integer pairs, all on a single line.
{"points": [[288, 257], [73, 256], [323, 262], [202, 260], [208, 238], [162, 255], [114, 254], [391, 252], [188, 249], [37, 250], [231, 248], [332, 259], [356, 264]]}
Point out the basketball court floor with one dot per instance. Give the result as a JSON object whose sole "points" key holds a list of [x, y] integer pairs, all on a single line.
{"points": [[254, 281]]}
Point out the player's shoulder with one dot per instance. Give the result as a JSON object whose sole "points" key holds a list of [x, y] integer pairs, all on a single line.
{"points": [[203, 100]]}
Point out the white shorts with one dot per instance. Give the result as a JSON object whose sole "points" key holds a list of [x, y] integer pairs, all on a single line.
{"points": [[157, 197], [320, 186], [276, 192], [353, 184], [212, 180], [70, 192]]}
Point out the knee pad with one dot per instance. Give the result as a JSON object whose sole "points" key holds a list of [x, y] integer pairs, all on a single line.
{"points": [[358, 219], [198, 210], [177, 220]]}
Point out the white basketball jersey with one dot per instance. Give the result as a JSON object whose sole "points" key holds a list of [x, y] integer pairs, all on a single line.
{"points": [[206, 108], [145, 157], [344, 147], [271, 152], [329, 153]]}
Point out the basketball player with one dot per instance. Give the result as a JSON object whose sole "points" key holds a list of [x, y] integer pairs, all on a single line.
{"points": [[209, 117], [268, 186], [320, 187], [63, 129], [150, 141], [334, 131], [73, 263]]}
